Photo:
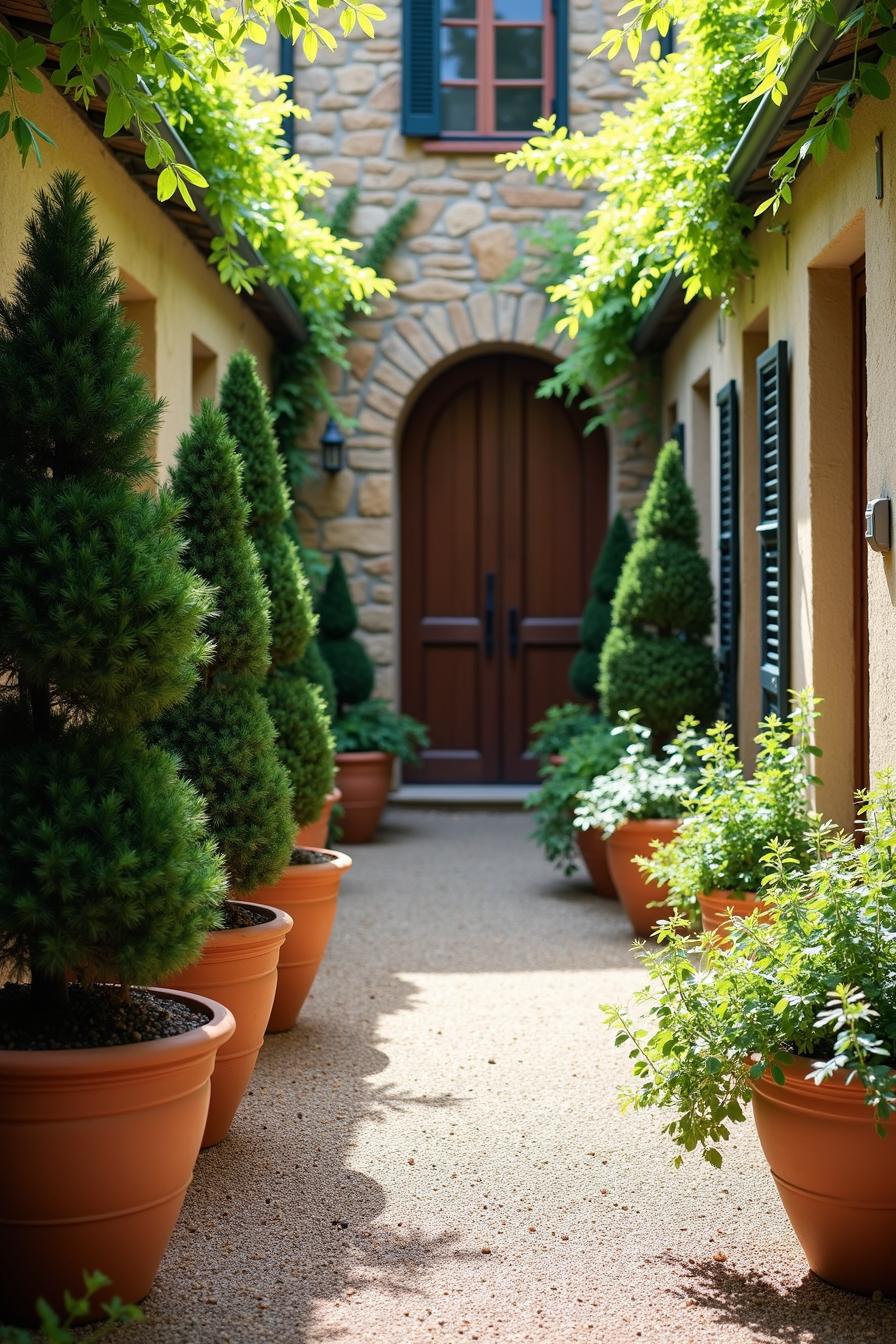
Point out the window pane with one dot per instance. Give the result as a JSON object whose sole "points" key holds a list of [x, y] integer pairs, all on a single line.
{"points": [[458, 53], [458, 109], [518, 53], [458, 9], [516, 109], [519, 11]]}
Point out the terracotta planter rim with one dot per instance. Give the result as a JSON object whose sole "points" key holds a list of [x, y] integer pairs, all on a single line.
{"points": [[650, 824], [338, 860], [134, 1057], [367, 757], [725, 894], [795, 1067], [278, 926]]}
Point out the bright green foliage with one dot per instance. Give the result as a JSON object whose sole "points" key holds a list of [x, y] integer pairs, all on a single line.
{"points": [[348, 659], [589, 754], [655, 655], [316, 669], [222, 734], [106, 863], [551, 735], [731, 821], [299, 715], [375, 726], [641, 787], [596, 617], [812, 979], [56, 1329]]}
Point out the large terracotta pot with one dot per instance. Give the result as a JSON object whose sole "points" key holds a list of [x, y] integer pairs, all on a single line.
{"points": [[314, 835], [308, 892], [717, 908], [835, 1175], [636, 894], [593, 849], [96, 1152], [365, 778], [238, 968]]}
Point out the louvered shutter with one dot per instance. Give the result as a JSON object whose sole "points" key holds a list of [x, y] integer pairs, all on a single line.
{"points": [[560, 108], [774, 526], [420, 102], [677, 433], [729, 547]]}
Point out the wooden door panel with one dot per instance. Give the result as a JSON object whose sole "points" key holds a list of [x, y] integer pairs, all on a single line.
{"points": [[557, 527], [494, 482]]}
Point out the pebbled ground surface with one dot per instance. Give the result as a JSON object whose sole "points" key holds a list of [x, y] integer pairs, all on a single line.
{"points": [[436, 1152]]}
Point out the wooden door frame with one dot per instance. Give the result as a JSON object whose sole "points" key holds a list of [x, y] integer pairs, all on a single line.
{"points": [[861, 653]]}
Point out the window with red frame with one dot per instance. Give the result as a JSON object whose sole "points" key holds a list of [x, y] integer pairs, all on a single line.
{"points": [[497, 66]]}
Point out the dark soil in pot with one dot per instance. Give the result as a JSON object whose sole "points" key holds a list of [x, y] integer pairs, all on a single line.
{"points": [[93, 1017], [303, 856]]}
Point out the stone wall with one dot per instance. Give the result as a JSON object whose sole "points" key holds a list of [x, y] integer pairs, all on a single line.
{"points": [[473, 221]]}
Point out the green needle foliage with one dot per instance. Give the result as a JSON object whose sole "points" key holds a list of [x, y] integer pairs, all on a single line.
{"points": [[656, 654], [348, 659], [106, 867], [597, 615], [223, 734], [296, 706]]}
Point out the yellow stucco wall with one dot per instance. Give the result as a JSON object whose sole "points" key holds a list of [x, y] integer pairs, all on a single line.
{"points": [[180, 295], [801, 293]]}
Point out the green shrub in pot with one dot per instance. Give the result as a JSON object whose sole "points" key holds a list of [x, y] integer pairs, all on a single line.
{"points": [[731, 820], [374, 725], [586, 756], [597, 616], [551, 735], [642, 786]]}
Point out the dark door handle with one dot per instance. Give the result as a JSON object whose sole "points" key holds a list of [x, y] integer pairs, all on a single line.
{"points": [[489, 615], [513, 631]]}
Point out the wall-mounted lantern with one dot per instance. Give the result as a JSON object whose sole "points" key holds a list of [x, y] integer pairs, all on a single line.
{"points": [[332, 448]]}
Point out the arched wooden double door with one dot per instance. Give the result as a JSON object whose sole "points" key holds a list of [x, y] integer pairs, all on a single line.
{"points": [[503, 511]]}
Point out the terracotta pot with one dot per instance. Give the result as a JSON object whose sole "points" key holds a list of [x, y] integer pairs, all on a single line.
{"points": [[593, 849], [835, 1175], [717, 907], [308, 892], [314, 835], [556, 759], [365, 778], [96, 1152], [238, 968], [636, 894]]}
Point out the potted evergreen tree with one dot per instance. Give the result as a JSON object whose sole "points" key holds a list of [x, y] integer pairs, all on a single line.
{"points": [[108, 877], [370, 736], [309, 885], [224, 738], [656, 656], [597, 616]]}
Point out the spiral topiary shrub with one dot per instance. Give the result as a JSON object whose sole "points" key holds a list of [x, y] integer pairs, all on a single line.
{"points": [[656, 655], [106, 867], [596, 618], [296, 706], [223, 734], [349, 661]]}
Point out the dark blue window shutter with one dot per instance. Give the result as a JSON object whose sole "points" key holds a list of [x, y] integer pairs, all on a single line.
{"points": [[420, 96], [729, 548], [560, 11], [774, 526], [677, 433]]}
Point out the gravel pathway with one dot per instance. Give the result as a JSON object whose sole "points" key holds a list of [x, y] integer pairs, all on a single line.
{"points": [[436, 1151]]}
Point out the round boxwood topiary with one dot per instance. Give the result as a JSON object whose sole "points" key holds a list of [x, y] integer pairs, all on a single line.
{"points": [[349, 661], [303, 730], [596, 618], [223, 734], [655, 657], [106, 866]]}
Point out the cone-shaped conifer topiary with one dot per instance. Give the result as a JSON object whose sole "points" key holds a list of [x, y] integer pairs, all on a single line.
{"points": [[655, 657], [106, 867], [313, 665], [596, 618], [296, 706], [348, 659], [222, 733]]}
